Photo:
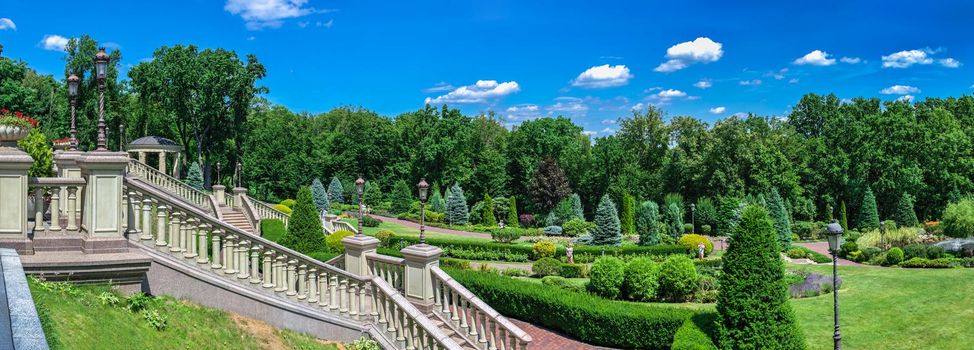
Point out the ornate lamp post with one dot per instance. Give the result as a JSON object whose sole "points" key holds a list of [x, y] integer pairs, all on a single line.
{"points": [[73, 81], [121, 136], [101, 72], [882, 234], [238, 169], [693, 216], [835, 242], [359, 187], [218, 172], [423, 188]]}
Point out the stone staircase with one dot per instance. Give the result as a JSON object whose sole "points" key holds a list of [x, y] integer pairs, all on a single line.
{"points": [[236, 218], [448, 329]]}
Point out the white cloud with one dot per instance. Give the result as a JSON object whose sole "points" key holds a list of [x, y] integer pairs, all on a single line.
{"points": [[815, 58], [899, 90], [303, 24], [251, 38], [907, 98], [777, 75], [603, 76], [260, 14], [54, 42], [608, 121], [718, 110], [793, 81], [325, 24], [904, 59], [439, 87], [6, 23], [479, 92], [754, 82], [640, 106], [664, 96], [522, 112], [608, 130], [682, 55], [850, 60], [568, 105], [949, 63], [589, 133], [703, 84]]}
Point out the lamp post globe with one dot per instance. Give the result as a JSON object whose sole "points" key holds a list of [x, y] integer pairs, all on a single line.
{"points": [[101, 72], [73, 82], [423, 189], [359, 186], [834, 231]]}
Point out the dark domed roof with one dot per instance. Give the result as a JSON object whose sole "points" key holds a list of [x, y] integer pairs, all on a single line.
{"points": [[153, 143]]}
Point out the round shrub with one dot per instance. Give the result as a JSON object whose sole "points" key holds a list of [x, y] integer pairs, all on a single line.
{"points": [[546, 267], [691, 241], [526, 220], [553, 230], [334, 241], [543, 249], [505, 235], [677, 278], [384, 236], [914, 251], [576, 226], [574, 271], [283, 208], [796, 253], [705, 229], [369, 221], [894, 256], [687, 228], [289, 203], [935, 252], [848, 248], [607, 276], [958, 219], [641, 279]]}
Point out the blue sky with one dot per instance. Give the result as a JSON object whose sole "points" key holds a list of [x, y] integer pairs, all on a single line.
{"points": [[592, 61]]}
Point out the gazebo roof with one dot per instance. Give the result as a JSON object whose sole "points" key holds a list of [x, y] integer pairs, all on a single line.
{"points": [[153, 144]]}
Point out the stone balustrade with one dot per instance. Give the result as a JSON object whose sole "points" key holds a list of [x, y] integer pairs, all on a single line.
{"points": [[343, 226], [391, 269], [41, 188], [481, 323], [169, 225], [170, 184], [267, 211]]}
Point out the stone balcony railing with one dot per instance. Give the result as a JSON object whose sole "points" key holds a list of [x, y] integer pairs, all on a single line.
{"points": [[64, 209], [172, 185]]}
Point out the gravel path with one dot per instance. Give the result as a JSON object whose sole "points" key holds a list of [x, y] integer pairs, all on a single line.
{"points": [[447, 231], [823, 248]]}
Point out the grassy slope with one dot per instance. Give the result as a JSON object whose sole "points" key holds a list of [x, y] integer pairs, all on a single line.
{"points": [[76, 319], [891, 308]]}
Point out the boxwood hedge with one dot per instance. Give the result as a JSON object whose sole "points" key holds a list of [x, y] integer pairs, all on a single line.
{"points": [[583, 316], [525, 249]]}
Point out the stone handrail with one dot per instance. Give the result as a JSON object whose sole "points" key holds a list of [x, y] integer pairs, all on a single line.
{"points": [[250, 213], [267, 211], [389, 268], [202, 240], [68, 188], [338, 261], [343, 226], [159, 179], [469, 314]]}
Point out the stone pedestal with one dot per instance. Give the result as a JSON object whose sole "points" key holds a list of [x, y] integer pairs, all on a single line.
{"points": [[102, 219], [219, 194], [13, 198], [238, 194], [356, 247], [418, 282]]}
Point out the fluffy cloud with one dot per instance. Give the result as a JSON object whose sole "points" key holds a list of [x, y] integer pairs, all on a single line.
{"points": [[754, 82], [793, 81], [54, 42], [640, 106], [522, 112], [949, 63], [904, 59], [589, 133], [479, 92], [6, 23], [907, 98], [664, 96], [899, 90], [850, 60], [260, 14], [815, 58], [718, 110], [439, 87], [603, 76], [568, 105], [703, 84], [682, 55]]}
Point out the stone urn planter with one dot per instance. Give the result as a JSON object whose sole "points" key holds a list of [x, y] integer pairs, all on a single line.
{"points": [[10, 134]]}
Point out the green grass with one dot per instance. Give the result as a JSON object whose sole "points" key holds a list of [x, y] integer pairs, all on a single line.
{"points": [[74, 317], [892, 308]]}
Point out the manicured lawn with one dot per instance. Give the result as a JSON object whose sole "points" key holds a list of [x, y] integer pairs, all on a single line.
{"points": [[892, 308], [74, 317]]}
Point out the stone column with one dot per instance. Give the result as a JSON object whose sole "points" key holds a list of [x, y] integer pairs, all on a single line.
{"points": [[102, 219], [418, 281], [13, 198], [356, 247], [238, 195], [219, 194], [162, 162], [142, 156]]}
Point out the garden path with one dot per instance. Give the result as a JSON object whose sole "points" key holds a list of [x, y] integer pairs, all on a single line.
{"points": [[823, 248], [433, 229], [545, 339], [502, 265]]}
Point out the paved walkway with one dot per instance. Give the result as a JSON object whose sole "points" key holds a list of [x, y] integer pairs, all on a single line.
{"points": [[543, 338], [446, 231], [823, 248]]}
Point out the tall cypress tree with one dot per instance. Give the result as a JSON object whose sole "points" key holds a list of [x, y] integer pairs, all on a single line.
{"points": [[779, 214], [194, 177], [647, 223], [512, 212], [304, 231], [868, 213], [673, 215], [628, 214], [843, 218], [402, 197], [577, 210], [336, 193], [607, 228], [905, 215], [753, 305], [372, 195], [320, 194], [457, 211], [488, 218], [725, 214], [437, 203]]}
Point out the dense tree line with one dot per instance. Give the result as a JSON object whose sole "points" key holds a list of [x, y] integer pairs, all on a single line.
{"points": [[824, 156]]}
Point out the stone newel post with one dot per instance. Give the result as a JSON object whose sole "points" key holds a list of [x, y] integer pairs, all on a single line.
{"points": [[219, 194], [102, 219], [13, 198], [238, 194], [356, 247], [420, 258]]}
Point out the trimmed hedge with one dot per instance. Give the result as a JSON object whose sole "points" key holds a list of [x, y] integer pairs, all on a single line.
{"points": [[523, 249], [585, 317], [696, 333]]}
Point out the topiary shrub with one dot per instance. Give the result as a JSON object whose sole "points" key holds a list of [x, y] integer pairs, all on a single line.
{"points": [[320, 194], [576, 227], [505, 235], [607, 227], [796, 253], [283, 208], [289, 203], [641, 279], [958, 219], [914, 251], [705, 229], [687, 228], [543, 249], [848, 248], [336, 192], [194, 177], [553, 231], [647, 223], [868, 212], [369, 221], [607, 276], [384, 236], [677, 278], [304, 231], [691, 241], [563, 283], [574, 271], [753, 303], [546, 267], [334, 241], [894, 256]]}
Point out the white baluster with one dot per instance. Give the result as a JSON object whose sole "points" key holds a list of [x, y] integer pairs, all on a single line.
{"points": [[302, 281], [243, 252], [146, 219], [291, 278], [174, 232], [202, 241], [56, 210], [313, 286], [161, 213], [254, 262], [215, 246], [72, 204], [268, 270]]}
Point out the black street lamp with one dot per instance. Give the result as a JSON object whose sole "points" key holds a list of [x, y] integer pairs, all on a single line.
{"points": [[423, 188], [359, 187], [101, 72], [693, 217], [835, 244], [218, 172], [882, 234], [73, 81], [121, 136]]}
